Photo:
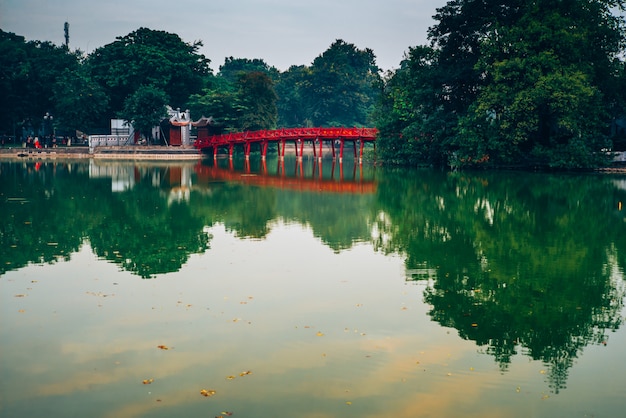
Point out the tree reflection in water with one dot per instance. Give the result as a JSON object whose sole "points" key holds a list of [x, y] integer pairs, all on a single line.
{"points": [[516, 262], [525, 262]]}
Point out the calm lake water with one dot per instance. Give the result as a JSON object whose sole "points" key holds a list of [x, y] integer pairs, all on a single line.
{"points": [[309, 290]]}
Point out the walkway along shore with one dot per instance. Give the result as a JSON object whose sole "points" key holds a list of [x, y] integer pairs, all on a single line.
{"points": [[138, 152], [147, 153]]}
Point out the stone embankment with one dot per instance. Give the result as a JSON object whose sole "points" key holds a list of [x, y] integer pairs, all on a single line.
{"points": [[139, 152]]}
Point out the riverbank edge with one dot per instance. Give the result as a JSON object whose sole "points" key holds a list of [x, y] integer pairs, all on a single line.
{"points": [[146, 152], [139, 152]]}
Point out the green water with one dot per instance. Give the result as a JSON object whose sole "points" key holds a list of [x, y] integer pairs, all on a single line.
{"points": [[309, 290]]}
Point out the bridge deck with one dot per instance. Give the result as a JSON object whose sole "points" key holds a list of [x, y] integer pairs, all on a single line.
{"points": [[299, 136]]}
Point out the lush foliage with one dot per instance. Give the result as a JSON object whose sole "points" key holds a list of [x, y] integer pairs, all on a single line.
{"points": [[29, 73], [509, 82], [145, 108], [148, 57], [338, 89]]}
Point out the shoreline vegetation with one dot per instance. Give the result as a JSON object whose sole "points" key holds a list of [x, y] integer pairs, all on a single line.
{"points": [[157, 152], [535, 86]]}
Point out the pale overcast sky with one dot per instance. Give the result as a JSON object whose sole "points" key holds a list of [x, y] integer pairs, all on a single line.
{"points": [[281, 32]]}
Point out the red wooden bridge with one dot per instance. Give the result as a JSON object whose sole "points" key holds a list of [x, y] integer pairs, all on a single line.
{"points": [[298, 136]]}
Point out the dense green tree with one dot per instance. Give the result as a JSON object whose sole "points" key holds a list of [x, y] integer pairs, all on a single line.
{"points": [[341, 87], [292, 111], [234, 68], [149, 57], [258, 99], [411, 122], [239, 98], [80, 103], [513, 82], [28, 74], [543, 83], [222, 104], [145, 108]]}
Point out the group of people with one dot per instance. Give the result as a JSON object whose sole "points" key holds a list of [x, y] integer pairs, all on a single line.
{"points": [[49, 141]]}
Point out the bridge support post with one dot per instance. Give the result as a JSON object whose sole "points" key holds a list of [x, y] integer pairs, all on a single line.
{"points": [[321, 148], [341, 144], [361, 145]]}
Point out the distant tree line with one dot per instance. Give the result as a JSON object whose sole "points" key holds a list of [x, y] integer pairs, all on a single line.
{"points": [[502, 83], [137, 75]]}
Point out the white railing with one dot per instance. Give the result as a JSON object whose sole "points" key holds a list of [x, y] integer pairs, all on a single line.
{"points": [[110, 140]]}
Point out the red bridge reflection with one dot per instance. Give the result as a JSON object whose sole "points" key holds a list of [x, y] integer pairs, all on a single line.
{"points": [[315, 178], [316, 137]]}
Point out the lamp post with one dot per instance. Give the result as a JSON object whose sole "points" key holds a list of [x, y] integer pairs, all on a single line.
{"points": [[48, 129], [47, 124]]}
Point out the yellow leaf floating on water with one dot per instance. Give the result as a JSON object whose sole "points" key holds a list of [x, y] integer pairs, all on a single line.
{"points": [[320, 334], [163, 347], [230, 377], [348, 403], [247, 372], [147, 381], [207, 393]]}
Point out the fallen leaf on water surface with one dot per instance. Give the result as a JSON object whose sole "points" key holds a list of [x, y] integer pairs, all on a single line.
{"points": [[319, 334], [247, 372], [147, 381], [20, 296], [207, 393], [230, 377], [163, 347], [21, 311], [348, 403], [226, 413]]}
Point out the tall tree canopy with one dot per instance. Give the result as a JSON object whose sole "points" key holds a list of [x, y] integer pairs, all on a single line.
{"points": [[512, 82], [28, 74], [145, 108], [149, 57], [340, 89], [258, 99]]}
